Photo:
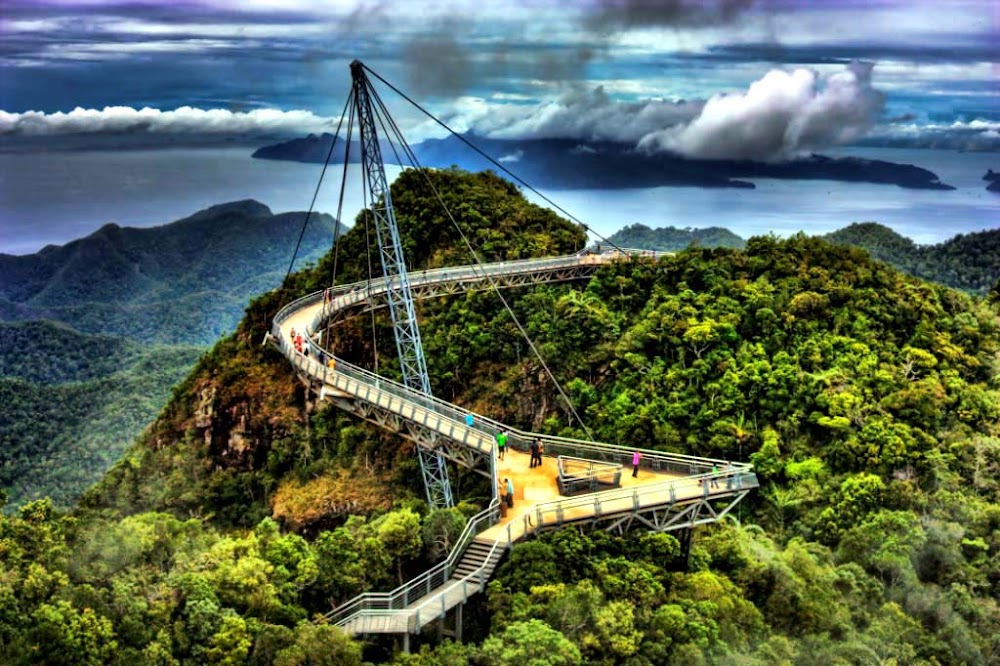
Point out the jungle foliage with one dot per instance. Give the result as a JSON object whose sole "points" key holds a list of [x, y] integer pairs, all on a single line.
{"points": [[970, 262], [966, 261], [672, 239], [71, 403], [868, 401]]}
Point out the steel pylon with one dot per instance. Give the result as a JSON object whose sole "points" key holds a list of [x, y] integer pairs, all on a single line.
{"points": [[433, 466]]}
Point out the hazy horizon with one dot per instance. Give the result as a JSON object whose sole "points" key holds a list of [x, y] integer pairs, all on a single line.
{"points": [[151, 188]]}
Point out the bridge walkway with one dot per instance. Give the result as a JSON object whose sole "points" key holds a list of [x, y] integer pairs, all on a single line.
{"points": [[673, 491]]}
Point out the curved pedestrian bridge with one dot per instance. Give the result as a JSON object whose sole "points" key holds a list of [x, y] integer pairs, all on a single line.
{"points": [[671, 491]]}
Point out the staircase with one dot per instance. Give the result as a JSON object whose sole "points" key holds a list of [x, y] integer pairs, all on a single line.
{"points": [[470, 576], [479, 553]]}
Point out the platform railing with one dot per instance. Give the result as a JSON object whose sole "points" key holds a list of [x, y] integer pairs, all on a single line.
{"points": [[624, 500], [580, 475]]}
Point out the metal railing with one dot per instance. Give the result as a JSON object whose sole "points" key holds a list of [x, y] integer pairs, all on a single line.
{"points": [[481, 435], [611, 502], [475, 581], [577, 475]]}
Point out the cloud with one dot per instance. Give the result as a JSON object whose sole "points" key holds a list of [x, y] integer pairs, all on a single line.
{"points": [[783, 114], [588, 115], [779, 116], [146, 121], [513, 157], [975, 135], [613, 15]]}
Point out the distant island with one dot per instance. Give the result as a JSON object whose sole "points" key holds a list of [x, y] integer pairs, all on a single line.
{"points": [[970, 262], [572, 164]]}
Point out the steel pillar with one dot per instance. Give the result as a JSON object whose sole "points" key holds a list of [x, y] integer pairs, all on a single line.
{"points": [[399, 294]]}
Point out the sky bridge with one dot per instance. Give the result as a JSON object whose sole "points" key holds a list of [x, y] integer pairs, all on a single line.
{"points": [[671, 491]]}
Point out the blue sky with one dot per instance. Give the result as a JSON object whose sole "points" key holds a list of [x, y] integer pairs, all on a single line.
{"points": [[710, 78]]}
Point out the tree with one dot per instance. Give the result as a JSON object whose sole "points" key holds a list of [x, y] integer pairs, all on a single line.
{"points": [[62, 634], [320, 645], [400, 532], [530, 643], [441, 530]]}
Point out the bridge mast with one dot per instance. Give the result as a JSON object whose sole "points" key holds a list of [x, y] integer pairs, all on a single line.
{"points": [[400, 296]]}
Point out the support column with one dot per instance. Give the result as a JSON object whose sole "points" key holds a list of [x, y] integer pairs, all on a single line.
{"points": [[458, 622], [685, 539]]}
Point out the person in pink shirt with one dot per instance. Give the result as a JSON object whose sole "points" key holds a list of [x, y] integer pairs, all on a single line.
{"points": [[636, 457]]}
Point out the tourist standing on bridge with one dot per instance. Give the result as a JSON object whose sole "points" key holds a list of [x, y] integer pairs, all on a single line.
{"points": [[636, 457], [510, 492], [501, 444], [536, 453]]}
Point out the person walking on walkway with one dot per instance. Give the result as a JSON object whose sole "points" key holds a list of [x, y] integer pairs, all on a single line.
{"points": [[636, 457], [536, 456], [501, 444], [510, 492], [715, 477]]}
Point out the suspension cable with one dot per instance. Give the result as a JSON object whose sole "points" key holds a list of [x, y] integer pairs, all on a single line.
{"points": [[312, 204], [371, 303], [343, 189], [478, 261], [489, 158]]}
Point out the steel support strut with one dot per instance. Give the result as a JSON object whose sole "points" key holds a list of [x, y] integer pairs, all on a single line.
{"points": [[399, 294]]}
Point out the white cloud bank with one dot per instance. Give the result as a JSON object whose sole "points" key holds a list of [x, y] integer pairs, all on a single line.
{"points": [[783, 114], [184, 120]]}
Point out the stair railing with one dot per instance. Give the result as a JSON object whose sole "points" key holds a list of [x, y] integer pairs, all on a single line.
{"points": [[422, 585]]}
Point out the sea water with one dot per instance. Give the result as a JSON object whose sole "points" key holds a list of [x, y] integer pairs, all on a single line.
{"points": [[55, 197]]}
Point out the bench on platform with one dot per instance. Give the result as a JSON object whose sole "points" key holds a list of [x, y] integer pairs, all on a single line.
{"points": [[579, 475]]}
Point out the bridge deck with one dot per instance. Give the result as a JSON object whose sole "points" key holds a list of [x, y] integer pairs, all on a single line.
{"points": [[533, 487], [671, 491]]}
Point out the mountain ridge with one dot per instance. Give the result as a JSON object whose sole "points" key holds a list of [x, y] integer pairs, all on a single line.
{"points": [[970, 261], [228, 252]]}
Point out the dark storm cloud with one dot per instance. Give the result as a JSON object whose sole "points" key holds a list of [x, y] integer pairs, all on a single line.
{"points": [[615, 15], [449, 57], [437, 63], [446, 59]]}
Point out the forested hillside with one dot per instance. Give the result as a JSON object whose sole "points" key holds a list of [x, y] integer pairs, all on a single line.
{"points": [[672, 239], [70, 403], [970, 262], [967, 261], [868, 401], [136, 307]]}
